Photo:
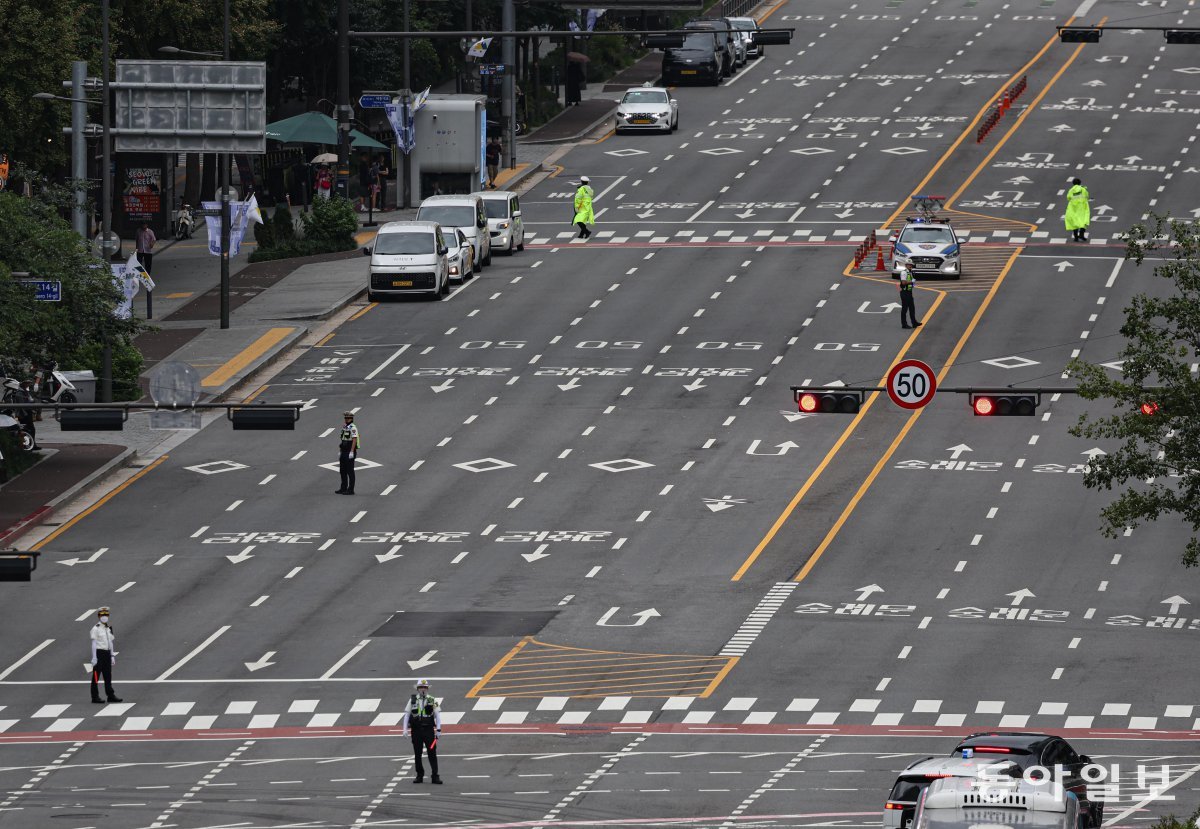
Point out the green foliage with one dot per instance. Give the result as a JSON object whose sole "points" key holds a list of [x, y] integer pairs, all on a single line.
{"points": [[300, 247], [1157, 461], [1172, 822], [127, 365], [264, 233], [283, 225], [331, 222], [36, 240], [15, 460], [610, 54]]}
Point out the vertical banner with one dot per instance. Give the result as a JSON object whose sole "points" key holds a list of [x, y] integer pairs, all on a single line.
{"points": [[400, 116], [128, 284], [241, 213]]}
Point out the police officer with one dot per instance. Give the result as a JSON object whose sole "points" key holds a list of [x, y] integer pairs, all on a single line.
{"points": [[424, 717], [347, 452], [104, 656], [584, 215], [907, 306], [1079, 211]]}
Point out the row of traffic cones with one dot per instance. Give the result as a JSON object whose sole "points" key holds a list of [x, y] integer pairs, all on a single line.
{"points": [[864, 250], [1006, 101]]}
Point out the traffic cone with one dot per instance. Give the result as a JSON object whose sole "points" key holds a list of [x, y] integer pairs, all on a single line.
{"points": [[1004, 103], [879, 260]]}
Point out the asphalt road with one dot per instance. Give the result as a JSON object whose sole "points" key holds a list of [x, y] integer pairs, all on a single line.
{"points": [[587, 510]]}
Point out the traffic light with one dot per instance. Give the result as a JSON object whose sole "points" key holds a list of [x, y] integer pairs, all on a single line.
{"points": [[831, 400], [991, 404], [1149, 408], [1069, 35], [1190, 36]]}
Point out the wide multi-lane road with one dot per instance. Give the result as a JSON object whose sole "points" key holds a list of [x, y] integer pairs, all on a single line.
{"points": [[588, 511]]}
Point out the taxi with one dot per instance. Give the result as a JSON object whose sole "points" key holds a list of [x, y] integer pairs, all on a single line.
{"points": [[647, 108]]}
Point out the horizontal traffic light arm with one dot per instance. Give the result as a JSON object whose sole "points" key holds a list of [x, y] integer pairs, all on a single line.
{"points": [[112, 416], [1092, 34]]}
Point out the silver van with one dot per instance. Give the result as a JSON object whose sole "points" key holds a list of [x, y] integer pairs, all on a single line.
{"points": [[408, 258], [464, 212], [963, 803], [504, 220]]}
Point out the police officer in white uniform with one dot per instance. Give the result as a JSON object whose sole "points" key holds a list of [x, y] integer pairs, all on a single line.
{"points": [[347, 452], [104, 656], [424, 717]]}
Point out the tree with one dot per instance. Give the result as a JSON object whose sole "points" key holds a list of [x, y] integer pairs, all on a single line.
{"points": [[1157, 399]]}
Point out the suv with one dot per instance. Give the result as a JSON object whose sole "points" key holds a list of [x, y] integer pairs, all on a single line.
{"points": [[928, 246], [1019, 804], [727, 41], [1029, 749], [902, 801], [466, 212], [747, 27], [408, 258], [505, 226], [700, 58]]}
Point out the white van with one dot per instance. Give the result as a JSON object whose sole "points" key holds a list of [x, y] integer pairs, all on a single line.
{"points": [[408, 258], [504, 220], [464, 212]]}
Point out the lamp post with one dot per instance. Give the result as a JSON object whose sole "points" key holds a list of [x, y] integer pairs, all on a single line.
{"points": [[80, 130]]}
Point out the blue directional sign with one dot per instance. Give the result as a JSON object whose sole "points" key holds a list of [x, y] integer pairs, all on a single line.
{"points": [[374, 100], [44, 290]]}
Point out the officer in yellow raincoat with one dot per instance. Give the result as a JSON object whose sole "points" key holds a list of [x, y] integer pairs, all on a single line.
{"points": [[1079, 211], [583, 207]]}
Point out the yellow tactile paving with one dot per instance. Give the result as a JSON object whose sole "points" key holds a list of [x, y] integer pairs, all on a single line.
{"points": [[540, 669]]}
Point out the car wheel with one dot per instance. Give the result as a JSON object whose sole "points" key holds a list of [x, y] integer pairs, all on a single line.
{"points": [[522, 245], [445, 287], [487, 260], [475, 266], [371, 297], [26, 439]]}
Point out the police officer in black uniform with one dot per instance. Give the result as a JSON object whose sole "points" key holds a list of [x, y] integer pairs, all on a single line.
{"points": [[347, 452], [424, 717], [908, 308]]}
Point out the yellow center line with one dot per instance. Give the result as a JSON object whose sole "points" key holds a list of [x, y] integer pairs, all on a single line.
{"points": [[360, 313], [73, 521], [908, 424], [248, 355], [483, 681]]}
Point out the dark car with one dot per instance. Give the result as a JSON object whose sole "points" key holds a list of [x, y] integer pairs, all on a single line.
{"points": [[700, 59], [1028, 750], [726, 38]]}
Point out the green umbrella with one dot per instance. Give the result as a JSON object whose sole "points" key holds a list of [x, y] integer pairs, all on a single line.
{"points": [[315, 128]]}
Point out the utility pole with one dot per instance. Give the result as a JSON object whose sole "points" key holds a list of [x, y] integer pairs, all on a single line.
{"points": [[406, 96], [343, 99], [106, 191], [508, 103], [79, 220], [223, 179]]}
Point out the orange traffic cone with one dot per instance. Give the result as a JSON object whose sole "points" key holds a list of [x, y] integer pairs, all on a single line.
{"points": [[879, 260]]}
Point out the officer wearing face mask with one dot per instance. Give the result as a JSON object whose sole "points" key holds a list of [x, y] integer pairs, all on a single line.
{"points": [[424, 717], [104, 656], [347, 452]]}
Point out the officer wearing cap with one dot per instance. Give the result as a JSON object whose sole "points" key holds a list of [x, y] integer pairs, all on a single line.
{"points": [[908, 308], [104, 656], [424, 717], [347, 452]]}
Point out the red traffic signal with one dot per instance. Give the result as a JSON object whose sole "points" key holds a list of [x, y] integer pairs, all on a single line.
{"points": [[1004, 405], [827, 401], [1149, 408]]}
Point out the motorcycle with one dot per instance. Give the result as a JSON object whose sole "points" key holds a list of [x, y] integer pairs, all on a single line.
{"points": [[52, 386], [13, 426], [185, 223]]}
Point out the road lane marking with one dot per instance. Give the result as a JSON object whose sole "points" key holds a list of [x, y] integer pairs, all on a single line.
{"points": [[349, 655], [28, 656], [212, 638], [109, 496], [387, 362]]}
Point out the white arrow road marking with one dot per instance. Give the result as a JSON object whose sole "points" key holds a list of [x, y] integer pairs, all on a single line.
{"points": [[305, 405], [390, 555], [1020, 595], [695, 385], [1175, 602], [864, 592], [1102, 209], [724, 502], [264, 661], [424, 662], [448, 383], [536, 554], [1061, 128], [955, 451], [71, 562], [573, 383], [642, 617], [645, 214], [745, 214], [1019, 180], [1062, 266], [888, 308], [845, 214], [1133, 159], [783, 448], [243, 555], [1093, 452]]}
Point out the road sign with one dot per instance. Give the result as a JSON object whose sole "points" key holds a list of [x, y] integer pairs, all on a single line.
{"points": [[44, 290], [374, 100], [491, 69], [911, 384]]}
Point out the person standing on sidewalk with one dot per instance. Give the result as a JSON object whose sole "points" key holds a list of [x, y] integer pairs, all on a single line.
{"points": [[381, 178], [104, 657], [347, 452], [1079, 211], [145, 245], [583, 207], [424, 717], [492, 155]]}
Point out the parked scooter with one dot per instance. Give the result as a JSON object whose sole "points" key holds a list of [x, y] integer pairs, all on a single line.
{"points": [[52, 386], [185, 223], [13, 426]]}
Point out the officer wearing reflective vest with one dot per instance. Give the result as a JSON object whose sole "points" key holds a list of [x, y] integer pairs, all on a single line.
{"points": [[908, 308], [424, 717], [347, 452], [1079, 211]]}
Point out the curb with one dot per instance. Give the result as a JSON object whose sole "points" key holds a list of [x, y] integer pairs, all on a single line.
{"points": [[43, 512], [525, 175], [341, 303], [577, 135], [278, 350]]}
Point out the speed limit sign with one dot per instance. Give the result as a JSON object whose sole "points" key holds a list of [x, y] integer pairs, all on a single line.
{"points": [[911, 384]]}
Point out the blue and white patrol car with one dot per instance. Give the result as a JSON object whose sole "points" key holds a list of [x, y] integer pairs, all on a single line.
{"points": [[929, 246]]}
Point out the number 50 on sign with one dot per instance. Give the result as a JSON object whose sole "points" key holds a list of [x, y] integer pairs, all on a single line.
{"points": [[911, 384]]}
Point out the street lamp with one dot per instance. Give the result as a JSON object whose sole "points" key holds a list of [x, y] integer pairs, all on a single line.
{"points": [[175, 50]]}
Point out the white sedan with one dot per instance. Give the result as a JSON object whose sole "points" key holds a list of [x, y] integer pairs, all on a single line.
{"points": [[648, 108]]}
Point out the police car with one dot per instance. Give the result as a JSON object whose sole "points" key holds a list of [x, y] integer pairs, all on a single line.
{"points": [[648, 108], [928, 245], [906, 792]]}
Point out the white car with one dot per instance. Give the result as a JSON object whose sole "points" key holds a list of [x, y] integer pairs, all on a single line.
{"points": [[927, 246], [505, 224], [648, 108], [746, 27], [460, 255]]}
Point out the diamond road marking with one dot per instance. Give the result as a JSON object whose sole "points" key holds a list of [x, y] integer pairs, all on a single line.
{"points": [[720, 151], [1010, 362], [359, 465], [1116, 365], [904, 150], [484, 465], [622, 465], [811, 151], [216, 467], [626, 152], [1189, 70]]}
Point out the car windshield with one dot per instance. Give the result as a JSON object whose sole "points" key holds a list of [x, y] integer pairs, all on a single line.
{"points": [[746, 25], [496, 208], [908, 789], [401, 244], [696, 42], [645, 96], [447, 216], [930, 234]]}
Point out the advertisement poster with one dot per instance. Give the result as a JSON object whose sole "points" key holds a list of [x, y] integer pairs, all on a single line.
{"points": [[141, 193]]}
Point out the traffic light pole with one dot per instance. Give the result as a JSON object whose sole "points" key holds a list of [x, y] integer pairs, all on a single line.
{"points": [[223, 183]]}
